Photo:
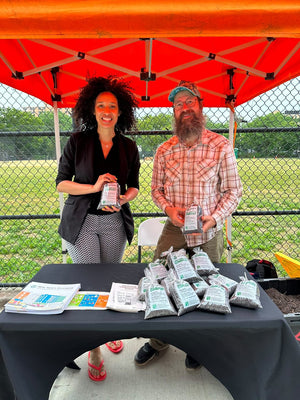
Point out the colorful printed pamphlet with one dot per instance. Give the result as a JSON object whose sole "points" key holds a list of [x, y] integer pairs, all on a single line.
{"points": [[89, 300], [42, 298]]}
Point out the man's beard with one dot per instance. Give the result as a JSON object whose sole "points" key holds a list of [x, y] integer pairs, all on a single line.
{"points": [[191, 128]]}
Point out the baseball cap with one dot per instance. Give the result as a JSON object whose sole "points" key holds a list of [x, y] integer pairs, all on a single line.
{"points": [[184, 85]]}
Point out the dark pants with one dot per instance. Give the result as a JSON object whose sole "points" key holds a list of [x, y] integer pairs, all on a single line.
{"points": [[173, 236]]}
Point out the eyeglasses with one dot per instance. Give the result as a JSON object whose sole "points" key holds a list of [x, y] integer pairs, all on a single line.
{"points": [[190, 102]]}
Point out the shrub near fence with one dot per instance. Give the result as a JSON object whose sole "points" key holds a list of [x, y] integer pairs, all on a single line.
{"points": [[267, 219]]}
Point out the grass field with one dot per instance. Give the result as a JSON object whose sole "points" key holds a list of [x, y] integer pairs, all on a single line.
{"points": [[28, 188]]}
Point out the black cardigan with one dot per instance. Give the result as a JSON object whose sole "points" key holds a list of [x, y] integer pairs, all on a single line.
{"points": [[77, 161]]}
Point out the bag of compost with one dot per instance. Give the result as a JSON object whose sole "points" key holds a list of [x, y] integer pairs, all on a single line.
{"points": [[184, 296], [158, 303], [182, 266], [200, 287], [246, 294], [216, 299], [202, 262], [218, 279], [192, 220], [110, 195]]}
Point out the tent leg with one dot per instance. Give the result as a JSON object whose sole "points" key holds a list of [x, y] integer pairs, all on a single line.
{"points": [[229, 219], [58, 154]]}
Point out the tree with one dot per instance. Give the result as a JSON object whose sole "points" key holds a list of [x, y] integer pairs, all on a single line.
{"points": [[148, 143], [13, 120], [267, 143], [29, 147], [47, 119]]}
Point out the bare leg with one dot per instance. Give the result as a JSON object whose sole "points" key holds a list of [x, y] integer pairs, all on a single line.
{"points": [[95, 359]]}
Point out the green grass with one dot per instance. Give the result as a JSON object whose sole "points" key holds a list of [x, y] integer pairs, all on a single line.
{"points": [[28, 188]]}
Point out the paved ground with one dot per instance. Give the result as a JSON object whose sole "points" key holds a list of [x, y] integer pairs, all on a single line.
{"points": [[164, 378]]}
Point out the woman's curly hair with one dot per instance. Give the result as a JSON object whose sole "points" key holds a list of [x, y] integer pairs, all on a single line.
{"points": [[83, 114]]}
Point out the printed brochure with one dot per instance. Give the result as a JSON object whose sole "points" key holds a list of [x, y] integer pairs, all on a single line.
{"points": [[42, 298], [89, 300]]}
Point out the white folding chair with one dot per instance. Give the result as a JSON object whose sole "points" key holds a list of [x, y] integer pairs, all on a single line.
{"points": [[149, 232]]}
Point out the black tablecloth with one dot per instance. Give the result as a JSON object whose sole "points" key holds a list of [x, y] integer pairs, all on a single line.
{"points": [[252, 352]]}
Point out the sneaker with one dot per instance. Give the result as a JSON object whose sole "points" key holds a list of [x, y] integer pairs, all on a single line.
{"points": [[145, 354], [191, 363]]}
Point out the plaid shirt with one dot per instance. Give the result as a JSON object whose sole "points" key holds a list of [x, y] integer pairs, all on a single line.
{"points": [[205, 174]]}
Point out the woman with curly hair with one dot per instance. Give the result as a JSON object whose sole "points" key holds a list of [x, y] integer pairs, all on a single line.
{"points": [[97, 154]]}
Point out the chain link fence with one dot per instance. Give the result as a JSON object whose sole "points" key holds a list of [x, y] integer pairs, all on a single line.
{"points": [[267, 148]]}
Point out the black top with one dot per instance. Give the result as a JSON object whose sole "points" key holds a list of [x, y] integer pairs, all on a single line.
{"points": [[110, 164], [83, 161]]}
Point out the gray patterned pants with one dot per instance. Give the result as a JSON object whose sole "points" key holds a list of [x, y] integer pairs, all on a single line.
{"points": [[102, 239]]}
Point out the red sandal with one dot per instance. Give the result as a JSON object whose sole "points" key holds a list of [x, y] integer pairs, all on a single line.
{"points": [[115, 349], [91, 376]]}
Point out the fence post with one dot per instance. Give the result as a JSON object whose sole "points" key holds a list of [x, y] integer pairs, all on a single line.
{"points": [[58, 154]]}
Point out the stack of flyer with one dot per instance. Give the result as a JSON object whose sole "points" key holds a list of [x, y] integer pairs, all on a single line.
{"points": [[42, 298], [124, 298]]}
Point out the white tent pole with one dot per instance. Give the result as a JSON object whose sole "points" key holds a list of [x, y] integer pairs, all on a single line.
{"points": [[58, 154], [229, 219]]}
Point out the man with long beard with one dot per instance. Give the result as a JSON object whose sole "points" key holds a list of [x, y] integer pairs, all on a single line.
{"points": [[195, 166]]}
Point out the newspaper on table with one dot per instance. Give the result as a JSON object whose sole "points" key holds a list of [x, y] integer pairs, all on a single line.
{"points": [[123, 297], [42, 298], [89, 300]]}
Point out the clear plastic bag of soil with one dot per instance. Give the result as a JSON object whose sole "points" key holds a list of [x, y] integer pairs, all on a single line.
{"points": [[110, 196], [200, 287], [202, 262], [184, 296], [192, 220], [143, 285], [164, 256], [158, 303], [157, 270], [179, 261], [167, 281], [216, 299], [246, 294], [218, 279]]}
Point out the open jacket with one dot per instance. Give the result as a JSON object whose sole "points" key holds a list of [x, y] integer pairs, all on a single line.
{"points": [[77, 161]]}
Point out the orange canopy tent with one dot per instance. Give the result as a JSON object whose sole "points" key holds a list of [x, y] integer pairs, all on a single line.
{"points": [[232, 50]]}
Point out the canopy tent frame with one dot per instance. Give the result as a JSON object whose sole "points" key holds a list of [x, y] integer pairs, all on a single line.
{"points": [[58, 155], [158, 80]]}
